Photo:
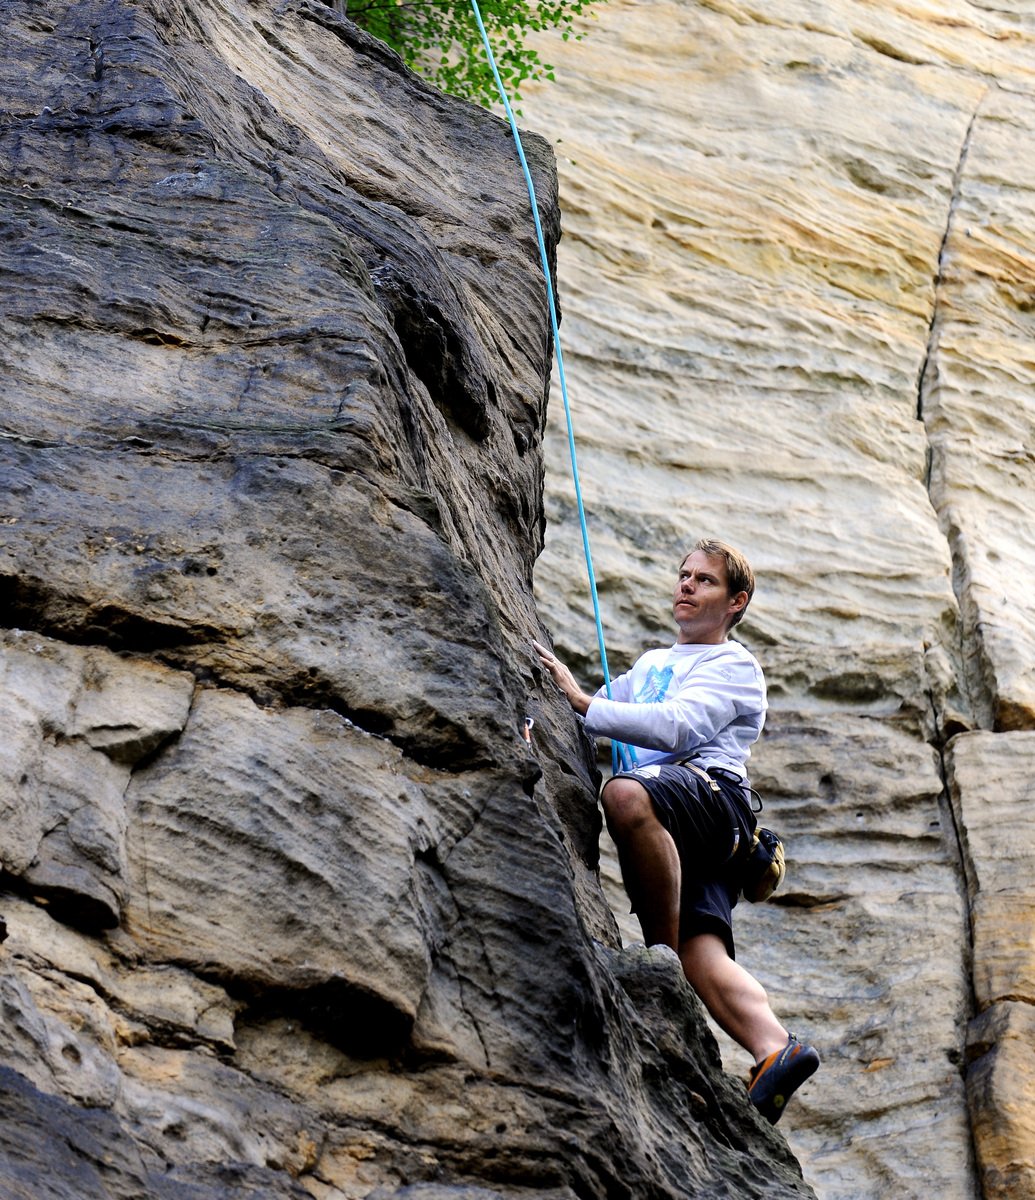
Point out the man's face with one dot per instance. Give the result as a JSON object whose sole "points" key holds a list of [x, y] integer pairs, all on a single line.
{"points": [[702, 604]]}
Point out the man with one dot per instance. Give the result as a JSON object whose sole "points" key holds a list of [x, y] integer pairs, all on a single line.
{"points": [[681, 814]]}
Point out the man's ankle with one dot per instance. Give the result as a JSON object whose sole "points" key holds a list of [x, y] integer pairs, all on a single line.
{"points": [[770, 1046]]}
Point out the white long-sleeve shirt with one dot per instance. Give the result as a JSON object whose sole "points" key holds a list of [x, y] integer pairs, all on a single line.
{"points": [[708, 701]]}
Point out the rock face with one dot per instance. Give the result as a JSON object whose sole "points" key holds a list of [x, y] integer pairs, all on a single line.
{"points": [[796, 278], [291, 910]]}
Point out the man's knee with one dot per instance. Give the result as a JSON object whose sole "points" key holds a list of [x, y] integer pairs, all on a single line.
{"points": [[627, 806]]}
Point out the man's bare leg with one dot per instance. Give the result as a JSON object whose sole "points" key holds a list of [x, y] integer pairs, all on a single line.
{"points": [[736, 1000], [651, 871], [649, 860]]}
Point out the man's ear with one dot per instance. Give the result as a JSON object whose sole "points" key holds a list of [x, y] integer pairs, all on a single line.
{"points": [[738, 603]]}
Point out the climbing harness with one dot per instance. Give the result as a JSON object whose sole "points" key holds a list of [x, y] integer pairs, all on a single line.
{"points": [[622, 756]]}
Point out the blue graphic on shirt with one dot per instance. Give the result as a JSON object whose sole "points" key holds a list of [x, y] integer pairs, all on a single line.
{"points": [[655, 686]]}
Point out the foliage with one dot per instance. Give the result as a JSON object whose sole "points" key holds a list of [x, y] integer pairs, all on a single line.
{"points": [[441, 41]]}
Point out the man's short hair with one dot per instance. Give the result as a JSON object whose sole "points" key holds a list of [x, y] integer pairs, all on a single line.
{"points": [[739, 575]]}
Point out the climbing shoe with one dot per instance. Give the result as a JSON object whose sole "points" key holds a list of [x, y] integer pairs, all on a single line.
{"points": [[775, 1079]]}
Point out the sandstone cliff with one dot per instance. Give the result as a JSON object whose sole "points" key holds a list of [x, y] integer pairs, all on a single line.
{"points": [[797, 273], [291, 910]]}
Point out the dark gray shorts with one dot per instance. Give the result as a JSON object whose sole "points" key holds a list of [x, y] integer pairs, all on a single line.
{"points": [[708, 828]]}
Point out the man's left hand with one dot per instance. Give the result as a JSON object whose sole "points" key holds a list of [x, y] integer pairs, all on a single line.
{"points": [[564, 679]]}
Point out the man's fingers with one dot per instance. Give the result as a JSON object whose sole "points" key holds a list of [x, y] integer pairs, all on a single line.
{"points": [[562, 677], [544, 654]]}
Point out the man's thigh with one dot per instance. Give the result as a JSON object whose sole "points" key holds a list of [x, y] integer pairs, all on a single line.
{"points": [[699, 819]]}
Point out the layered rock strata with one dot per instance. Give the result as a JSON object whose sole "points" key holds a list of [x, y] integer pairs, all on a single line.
{"points": [[796, 267], [292, 910]]}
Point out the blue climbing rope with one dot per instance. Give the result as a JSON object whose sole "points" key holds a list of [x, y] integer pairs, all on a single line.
{"points": [[620, 753]]}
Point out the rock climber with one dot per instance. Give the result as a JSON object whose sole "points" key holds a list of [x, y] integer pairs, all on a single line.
{"points": [[681, 815]]}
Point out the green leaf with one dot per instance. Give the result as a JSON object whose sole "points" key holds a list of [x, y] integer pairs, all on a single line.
{"points": [[440, 39]]}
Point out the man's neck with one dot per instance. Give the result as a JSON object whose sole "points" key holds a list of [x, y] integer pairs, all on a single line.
{"points": [[685, 639]]}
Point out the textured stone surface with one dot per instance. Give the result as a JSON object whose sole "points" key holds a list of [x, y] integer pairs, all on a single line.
{"points": [[992, 791], [862, 951], [795, 278], [292, 909], [1002, 1098], [77, 720], [305, 285], [53, 1149], [977, 400]]}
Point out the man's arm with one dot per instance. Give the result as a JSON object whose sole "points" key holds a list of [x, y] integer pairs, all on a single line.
{"points": [[712, 696]]}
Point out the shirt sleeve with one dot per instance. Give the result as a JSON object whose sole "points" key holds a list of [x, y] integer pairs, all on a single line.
{"points": [[714, 695]]}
